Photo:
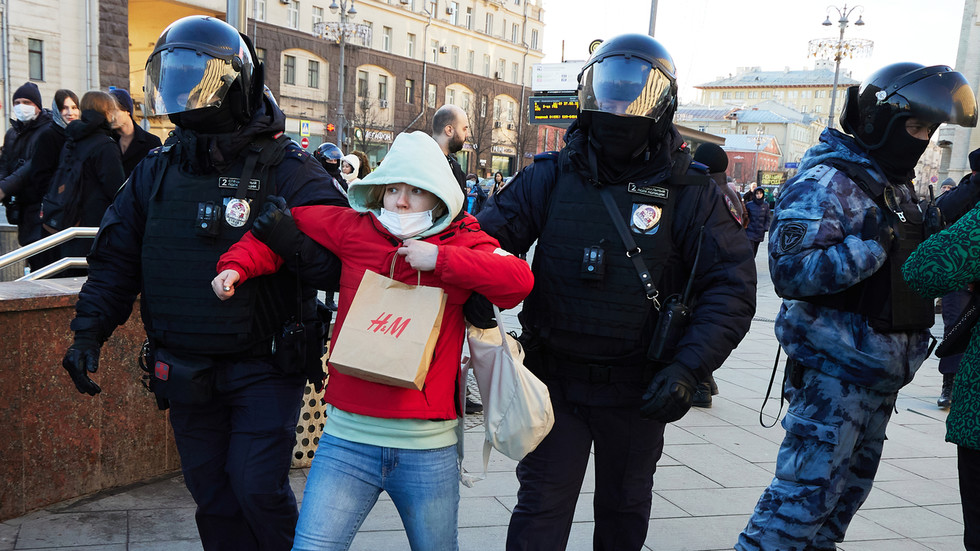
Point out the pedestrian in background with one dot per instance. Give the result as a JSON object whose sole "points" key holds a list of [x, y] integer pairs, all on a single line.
{"points": [[405, 218], [451, 129], [350, 167], [852, 329], [233, 404], [759, 219], [134, 142], [589, 322], [953, 305], [20, 189], [498, 183], [476, 196]]}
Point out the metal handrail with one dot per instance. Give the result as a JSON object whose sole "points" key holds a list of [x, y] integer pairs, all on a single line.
{"points": [[42, 245], [55, 267]]}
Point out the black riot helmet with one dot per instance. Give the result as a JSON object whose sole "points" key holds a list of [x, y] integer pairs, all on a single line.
{"points": [[201, 62], [630, 75], [328, 152], [896, 92]]}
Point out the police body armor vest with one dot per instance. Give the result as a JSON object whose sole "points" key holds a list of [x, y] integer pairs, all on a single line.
{"points": [[613, 307], [885, 299], [179, 259]]}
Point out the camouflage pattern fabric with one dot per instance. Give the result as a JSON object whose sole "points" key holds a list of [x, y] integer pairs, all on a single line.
{"points": [[945, 262], [825, 468]]}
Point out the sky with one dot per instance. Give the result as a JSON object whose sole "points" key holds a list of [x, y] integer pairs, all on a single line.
{"points": [[709, 39]]}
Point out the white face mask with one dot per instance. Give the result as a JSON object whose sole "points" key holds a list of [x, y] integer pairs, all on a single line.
{"points": [[404, 226], [25, 113]]}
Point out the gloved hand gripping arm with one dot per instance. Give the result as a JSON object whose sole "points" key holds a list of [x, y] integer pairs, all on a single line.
{"points": [[275, 227]]}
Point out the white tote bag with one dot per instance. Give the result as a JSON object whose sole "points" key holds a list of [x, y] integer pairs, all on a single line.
{"points": [[517, 409]]}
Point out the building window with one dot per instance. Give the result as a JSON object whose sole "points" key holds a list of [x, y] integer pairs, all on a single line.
{"points": [[409, 91], [510, 111], [410, 47], [821, 94], [806, 94], [386, 39], [515, 34], [450, 96], [483, 106], [292, 15], [468, 22], [35, 58], [471, 61], [431, 99], [792, 94], [486, 65], [383, 88], [765, 94], [739, 95], [454, 13], [496, 110], [534, 39], [289, 69], [317, 17], [454, 57], [258, 10], [515, 73], [489, 26], [366, 39], [466, 102], [501, 66], [818, 108], [314, 74], [362, 84], [434, 48], [260, 53]]}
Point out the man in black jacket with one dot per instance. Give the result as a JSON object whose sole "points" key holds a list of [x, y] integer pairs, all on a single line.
{"points": [[234, 398], [21, 188], [621, 224], [450, 129]]}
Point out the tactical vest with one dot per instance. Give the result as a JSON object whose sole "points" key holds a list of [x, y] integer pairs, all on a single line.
{"points": [[179, 256], [885, 299], [612, 305]]}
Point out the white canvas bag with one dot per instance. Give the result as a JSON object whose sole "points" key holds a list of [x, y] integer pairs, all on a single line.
{"points": [[516, 405]]}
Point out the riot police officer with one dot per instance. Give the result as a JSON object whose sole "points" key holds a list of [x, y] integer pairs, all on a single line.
{"points": [[853, 330], [619, 219], [233, 402], [329, 156]]}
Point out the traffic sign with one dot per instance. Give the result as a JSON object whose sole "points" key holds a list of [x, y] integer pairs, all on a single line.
{"points": [[304, 128], [305, 142]]}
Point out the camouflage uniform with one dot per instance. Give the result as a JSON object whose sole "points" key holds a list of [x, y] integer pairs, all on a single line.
{"points": [[835, 425]]}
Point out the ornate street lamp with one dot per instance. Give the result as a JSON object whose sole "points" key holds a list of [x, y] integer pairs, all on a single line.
{"points": [[340, 32], [837, 48]]}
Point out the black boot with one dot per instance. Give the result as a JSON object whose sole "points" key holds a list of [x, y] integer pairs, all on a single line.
{"points": [[946, 395]]}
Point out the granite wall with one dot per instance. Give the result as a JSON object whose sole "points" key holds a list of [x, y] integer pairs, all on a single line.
{"points": [[57, 443]]}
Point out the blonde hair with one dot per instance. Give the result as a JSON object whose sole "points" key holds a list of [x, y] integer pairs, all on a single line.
{"points": [[103, 102]]}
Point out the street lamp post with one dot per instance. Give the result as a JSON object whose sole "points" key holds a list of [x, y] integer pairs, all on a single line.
{"points": [[758, 145], [837, 48], [345, 15]]}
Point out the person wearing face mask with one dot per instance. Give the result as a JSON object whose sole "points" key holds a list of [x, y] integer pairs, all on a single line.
{"points": [[854, 331], [623, 219], [234, 421], [329, 156], [20, 189], [380, 437], [134, 142]]}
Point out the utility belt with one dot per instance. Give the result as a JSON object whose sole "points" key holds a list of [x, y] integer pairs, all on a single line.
{"points": [[557, 365]]}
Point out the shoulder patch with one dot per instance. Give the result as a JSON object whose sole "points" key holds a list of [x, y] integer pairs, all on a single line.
{"points": [[791, 236], [731, 209]]}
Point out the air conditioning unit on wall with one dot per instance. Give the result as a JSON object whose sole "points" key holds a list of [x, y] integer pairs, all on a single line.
{"points": [[406, 2], [498, 76], [383, 103], [496, 124], [510, 126], [283, 1], [443, 49]]}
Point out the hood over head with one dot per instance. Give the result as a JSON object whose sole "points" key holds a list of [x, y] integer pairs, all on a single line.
{"points": [[417, 160]]}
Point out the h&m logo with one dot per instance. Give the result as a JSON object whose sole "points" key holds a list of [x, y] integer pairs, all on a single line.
{"points": [[384, 325]]}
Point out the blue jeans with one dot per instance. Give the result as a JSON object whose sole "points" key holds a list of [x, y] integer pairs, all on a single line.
{"points": [[346, 479]]}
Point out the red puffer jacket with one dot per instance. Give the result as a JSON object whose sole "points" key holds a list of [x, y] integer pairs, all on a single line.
{"points": [[467, 262]]}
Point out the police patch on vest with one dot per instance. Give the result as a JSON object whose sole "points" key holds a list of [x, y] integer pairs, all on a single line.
{"points": [[791, 236], [646, 218], [236, 212], [648, 191], [232, 183]]}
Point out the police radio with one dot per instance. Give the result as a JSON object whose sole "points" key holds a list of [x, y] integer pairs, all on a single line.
{"points": [[593, 263]]}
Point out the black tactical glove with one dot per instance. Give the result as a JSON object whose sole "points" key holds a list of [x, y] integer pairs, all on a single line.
{"points": [[884, 234], [478, 310], [275, 227], [81, 359], [670, 394]]}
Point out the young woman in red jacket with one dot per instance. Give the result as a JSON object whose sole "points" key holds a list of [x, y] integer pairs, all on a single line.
{"points": [[379, 437]]}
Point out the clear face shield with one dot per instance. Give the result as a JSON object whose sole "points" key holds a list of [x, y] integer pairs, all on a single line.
{"points": [[625, 86], [941, 97], [181, 79]]}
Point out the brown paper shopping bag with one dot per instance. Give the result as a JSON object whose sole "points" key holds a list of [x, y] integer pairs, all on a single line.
{"points": [[390, 332]]}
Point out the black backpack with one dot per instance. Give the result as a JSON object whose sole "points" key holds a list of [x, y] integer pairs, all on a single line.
{"points": [[61, 206]]}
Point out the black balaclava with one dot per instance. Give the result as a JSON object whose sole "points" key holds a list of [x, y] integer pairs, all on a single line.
{"points": [[617, 138], [900, 151], [209, 120]]}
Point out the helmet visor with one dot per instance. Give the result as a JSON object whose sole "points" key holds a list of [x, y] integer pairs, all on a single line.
{"points": [[944, 97], [625, 86], [179, 80]]}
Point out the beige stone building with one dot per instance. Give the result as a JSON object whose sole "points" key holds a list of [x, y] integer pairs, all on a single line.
{"points": [[957, 142], [403, 60]]}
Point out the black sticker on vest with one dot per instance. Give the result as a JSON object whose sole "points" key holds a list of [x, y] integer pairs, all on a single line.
{"points": [[791, 236], [648, 191], [232, 183]]}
